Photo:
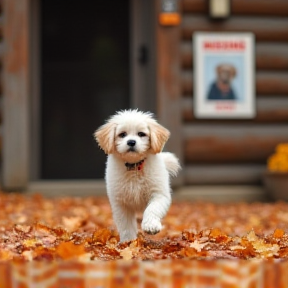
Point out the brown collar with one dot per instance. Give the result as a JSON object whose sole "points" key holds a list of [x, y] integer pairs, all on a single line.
{"points": [[135, 166]]}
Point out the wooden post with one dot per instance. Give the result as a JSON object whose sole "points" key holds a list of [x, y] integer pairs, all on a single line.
{"points": [[168, 85], [16, 94]]}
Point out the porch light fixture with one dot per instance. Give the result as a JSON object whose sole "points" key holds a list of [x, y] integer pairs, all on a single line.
{"points": [[219, 9], [169, 14]]}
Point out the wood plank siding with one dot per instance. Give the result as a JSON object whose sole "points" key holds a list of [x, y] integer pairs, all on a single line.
{"points": [[240, 7], [237, 143], [265, 29], [235, 151]]}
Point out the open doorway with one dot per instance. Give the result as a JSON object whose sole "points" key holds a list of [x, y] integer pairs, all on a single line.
{"points": [[85, 77]]}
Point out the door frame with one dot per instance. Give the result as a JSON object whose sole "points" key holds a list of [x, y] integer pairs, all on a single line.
{"points": [[168, 79], [16, 90], [22, 125], [143, 37]]}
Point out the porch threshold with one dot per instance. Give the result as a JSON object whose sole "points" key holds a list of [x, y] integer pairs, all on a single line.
{"points": [[221, 193], [77, 188], [213, 193]]}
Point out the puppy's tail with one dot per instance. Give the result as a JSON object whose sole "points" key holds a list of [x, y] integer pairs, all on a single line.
{"points": [[171, 162]]}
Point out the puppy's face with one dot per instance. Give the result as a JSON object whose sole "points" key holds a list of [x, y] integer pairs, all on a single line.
{"points": [[132, 134], [132, 139]]}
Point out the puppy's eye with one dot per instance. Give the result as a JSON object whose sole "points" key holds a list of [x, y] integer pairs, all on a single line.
{"points": [[141, 134], [122, 135]]}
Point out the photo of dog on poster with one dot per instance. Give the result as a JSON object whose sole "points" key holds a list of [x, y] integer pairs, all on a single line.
{"points": [[221, 88], [224, 72]]}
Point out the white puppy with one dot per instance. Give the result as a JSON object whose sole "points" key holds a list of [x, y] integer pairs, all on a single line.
{"points": [[137, 172]]}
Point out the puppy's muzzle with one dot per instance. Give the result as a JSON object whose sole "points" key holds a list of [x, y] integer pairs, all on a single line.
{"points": [[131, 143]]}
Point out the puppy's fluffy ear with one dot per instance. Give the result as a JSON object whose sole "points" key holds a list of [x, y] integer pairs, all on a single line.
{"points": [[158, 136], [105, 137]]}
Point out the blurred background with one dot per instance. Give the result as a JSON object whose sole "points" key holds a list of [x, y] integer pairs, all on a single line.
{"points": [[68, 65]]}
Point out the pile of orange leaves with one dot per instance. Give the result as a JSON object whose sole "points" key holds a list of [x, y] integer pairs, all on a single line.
{"points": [[37, 228]]}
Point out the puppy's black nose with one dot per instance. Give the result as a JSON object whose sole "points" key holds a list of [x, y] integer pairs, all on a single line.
{"points": [[131, 143]]}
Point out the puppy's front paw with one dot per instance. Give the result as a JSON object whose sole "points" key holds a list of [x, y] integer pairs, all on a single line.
{"points": [[151, 225]]}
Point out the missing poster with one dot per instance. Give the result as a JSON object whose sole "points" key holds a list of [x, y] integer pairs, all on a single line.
{"points": [[224, 75]]}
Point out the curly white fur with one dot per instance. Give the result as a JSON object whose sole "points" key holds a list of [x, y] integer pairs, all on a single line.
{"points": [[145, 190]]}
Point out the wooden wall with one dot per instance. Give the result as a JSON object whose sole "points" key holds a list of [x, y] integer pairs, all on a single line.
{"points": [[235, 151], [212, 151]]}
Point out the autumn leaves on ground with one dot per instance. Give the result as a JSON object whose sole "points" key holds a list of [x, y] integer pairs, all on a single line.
{"points": [[67, 228]]}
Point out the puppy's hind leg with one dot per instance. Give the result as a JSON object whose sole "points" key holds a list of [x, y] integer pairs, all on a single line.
{"points": [[126, 223]]}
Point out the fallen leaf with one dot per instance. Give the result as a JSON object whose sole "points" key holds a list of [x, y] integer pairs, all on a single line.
{"points": [[126, 253], [68, 250], [197, 245]]}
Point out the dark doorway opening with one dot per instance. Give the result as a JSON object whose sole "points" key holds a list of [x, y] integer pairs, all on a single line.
{"points": [[85, 78]]}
